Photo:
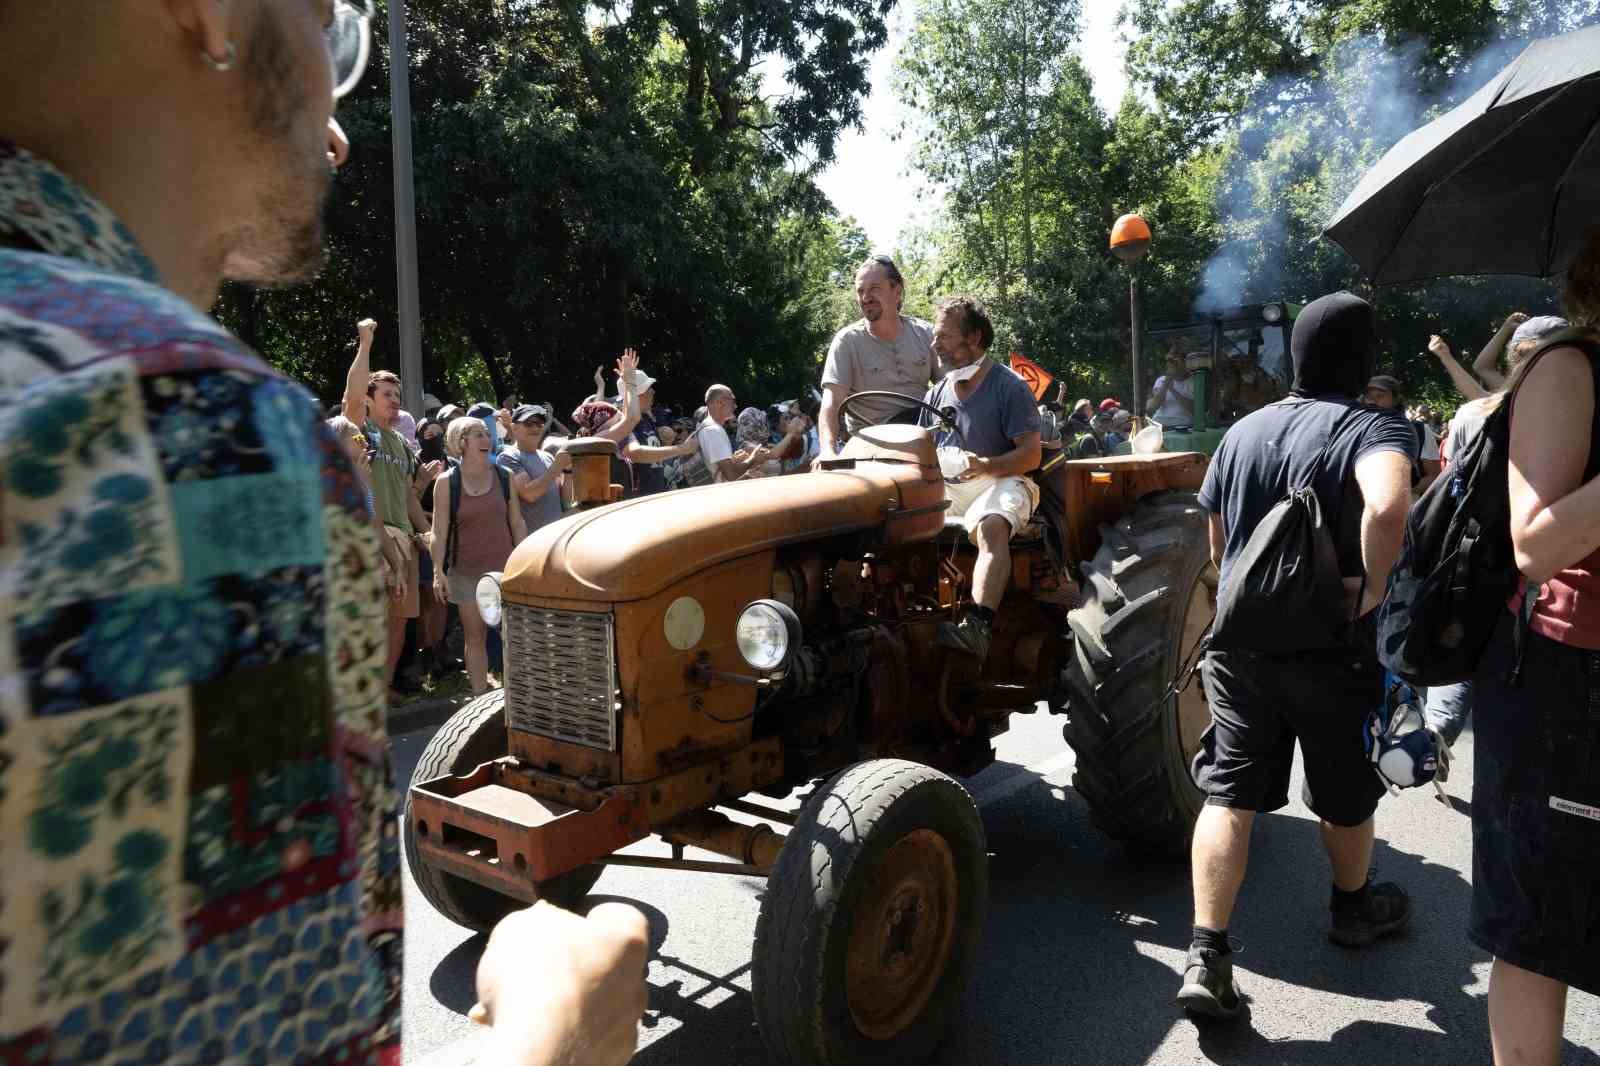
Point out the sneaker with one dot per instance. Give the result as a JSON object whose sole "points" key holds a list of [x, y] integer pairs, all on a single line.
{"points": [[1386, 909], [970, 636], [1208, 984]]}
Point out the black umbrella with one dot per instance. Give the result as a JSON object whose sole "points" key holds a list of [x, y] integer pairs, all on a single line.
{"points": [[1503, 184]]}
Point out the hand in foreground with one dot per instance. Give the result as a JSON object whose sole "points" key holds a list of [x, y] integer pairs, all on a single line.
{"points": [[441, 588], [599, 381], [1516, 318], [520, 480], [1438, 347], [581, 1005], [364, 331], [429, 471], [562, 462]]}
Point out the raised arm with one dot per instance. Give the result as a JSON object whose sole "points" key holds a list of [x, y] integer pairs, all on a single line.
{"points": [[1487, 365], [355, 380], [1465, 383]]}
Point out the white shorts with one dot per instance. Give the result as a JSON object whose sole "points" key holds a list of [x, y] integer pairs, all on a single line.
{"points": [[1013, 498]]}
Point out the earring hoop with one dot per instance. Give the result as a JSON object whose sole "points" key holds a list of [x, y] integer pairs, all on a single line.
{"points": [[223, 65]]}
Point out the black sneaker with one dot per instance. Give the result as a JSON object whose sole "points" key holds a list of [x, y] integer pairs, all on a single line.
{"points": [[1384, 910], [1208, 985], [970, 636]]}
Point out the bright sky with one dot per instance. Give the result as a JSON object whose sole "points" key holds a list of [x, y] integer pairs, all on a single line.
{"points": [[871, 178]]}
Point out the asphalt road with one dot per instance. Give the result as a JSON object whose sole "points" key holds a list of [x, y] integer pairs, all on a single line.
{"points": [[1083, 945]]}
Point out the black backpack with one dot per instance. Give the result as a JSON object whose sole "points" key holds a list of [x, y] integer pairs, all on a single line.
{"points": [[1284, 592], [451, 548], [1457, 570]]}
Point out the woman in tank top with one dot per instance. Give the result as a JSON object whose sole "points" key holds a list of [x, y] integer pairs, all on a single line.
{"points": [[1536, 773], [479, 536]]}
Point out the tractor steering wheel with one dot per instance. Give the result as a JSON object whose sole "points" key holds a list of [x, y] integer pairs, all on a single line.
{"points": [[946, 418]]}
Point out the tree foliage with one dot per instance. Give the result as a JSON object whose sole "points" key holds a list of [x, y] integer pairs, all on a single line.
{"points": [[591, 176]]}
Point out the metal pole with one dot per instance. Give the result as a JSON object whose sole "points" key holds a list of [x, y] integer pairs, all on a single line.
{"points": [[405, 212], [1133, 315]]}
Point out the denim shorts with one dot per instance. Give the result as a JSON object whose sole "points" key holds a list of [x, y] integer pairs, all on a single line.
{"points": [[1536, 809]]}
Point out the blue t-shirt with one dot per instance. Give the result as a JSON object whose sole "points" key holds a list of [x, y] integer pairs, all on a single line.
{"points": [[992, 418], [1268, 452], [546, 508]]}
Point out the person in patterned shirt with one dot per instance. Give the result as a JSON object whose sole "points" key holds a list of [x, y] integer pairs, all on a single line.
{"points": [[195, 794]]}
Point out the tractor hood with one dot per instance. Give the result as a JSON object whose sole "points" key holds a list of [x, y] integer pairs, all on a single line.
{"points": [[635, 548]]}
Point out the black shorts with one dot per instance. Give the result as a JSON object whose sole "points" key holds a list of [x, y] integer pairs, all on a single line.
{"points": [[1536, 809], [1261, 704]]}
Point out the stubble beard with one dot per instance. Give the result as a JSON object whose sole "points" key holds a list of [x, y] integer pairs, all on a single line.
{"points": [[282, 244]]}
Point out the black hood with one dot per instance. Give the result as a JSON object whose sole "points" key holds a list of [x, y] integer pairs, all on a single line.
{"points": [[1335, 346]]}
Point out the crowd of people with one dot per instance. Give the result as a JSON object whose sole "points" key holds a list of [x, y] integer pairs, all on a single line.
{"points": [[454, 491], [196, 653]]}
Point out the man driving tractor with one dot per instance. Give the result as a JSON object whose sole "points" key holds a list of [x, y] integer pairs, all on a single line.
{"points": [[999, 434]]}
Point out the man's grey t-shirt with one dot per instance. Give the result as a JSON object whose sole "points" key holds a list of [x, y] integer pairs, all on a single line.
{"points": [[1271, 450], [991, 419], [546, 508], [861, 363]]}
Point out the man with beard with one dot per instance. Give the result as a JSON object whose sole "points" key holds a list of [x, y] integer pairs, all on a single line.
{"points": [[1357, 459], [993, 495], [884, 350], [192, 631]]}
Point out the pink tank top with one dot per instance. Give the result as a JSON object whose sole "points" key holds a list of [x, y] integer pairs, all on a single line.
{"points": [[483, 537]]}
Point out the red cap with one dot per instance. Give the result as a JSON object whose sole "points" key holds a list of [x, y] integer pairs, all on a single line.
{"points": [[1108, 404]]}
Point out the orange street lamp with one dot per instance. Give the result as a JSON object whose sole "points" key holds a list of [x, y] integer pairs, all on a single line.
{"points": [[1130, 239]]}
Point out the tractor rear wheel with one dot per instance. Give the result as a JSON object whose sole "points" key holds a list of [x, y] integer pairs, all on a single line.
{"points": [[1148, 596], [474, 735], [871, 919]]}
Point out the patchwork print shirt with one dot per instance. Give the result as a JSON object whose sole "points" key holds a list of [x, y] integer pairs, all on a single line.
{"points": [[198, 859]]}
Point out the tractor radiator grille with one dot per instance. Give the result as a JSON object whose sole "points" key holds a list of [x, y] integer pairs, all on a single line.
{"points": [[561, 675]]}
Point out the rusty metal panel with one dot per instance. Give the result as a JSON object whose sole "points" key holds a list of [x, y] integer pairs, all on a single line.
{"points": [[561, 675]]}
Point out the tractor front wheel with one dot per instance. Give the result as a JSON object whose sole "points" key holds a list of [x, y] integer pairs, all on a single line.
{"points": [[871, 919]]}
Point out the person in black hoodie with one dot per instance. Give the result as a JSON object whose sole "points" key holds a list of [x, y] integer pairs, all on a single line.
{"points": [[1358, 460]]}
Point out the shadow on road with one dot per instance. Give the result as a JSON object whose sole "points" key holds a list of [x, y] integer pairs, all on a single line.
{"points": [[1068, 971]]}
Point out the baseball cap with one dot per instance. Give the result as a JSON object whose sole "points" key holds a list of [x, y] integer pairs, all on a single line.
{"points": [[447, 412], [1538, 328], [430, 402], [1385, 382], [1122, 415], [528, 411], [1109, 404], [643, 383]]}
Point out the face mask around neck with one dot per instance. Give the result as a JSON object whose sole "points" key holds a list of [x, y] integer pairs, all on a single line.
{"points": [[967, 373]]}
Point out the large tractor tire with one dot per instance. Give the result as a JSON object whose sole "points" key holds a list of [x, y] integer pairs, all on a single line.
{"points": [[474, 735], [871, 919], [1148, 595]]}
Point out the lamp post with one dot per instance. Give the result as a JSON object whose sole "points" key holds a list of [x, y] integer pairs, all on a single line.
{"points": [[405, 212], [1130, 239]]}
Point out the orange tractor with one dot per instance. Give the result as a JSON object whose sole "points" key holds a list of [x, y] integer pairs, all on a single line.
{"points": [[675, 661]]}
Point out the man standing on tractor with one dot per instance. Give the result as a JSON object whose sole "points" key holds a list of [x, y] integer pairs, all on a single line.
{"points": [[883, 351], [999, 434], [1357, 460]]}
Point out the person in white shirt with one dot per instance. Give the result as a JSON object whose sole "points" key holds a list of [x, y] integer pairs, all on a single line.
{"points": [[1172, 399], [715, 448]]}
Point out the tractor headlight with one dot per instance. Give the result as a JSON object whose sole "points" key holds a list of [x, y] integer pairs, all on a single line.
{"points": [[489, 599], [1272, 313], [768, 634]]}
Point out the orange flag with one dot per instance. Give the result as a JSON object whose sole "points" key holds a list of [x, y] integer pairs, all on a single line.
{"points": [[1037, 377]]}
